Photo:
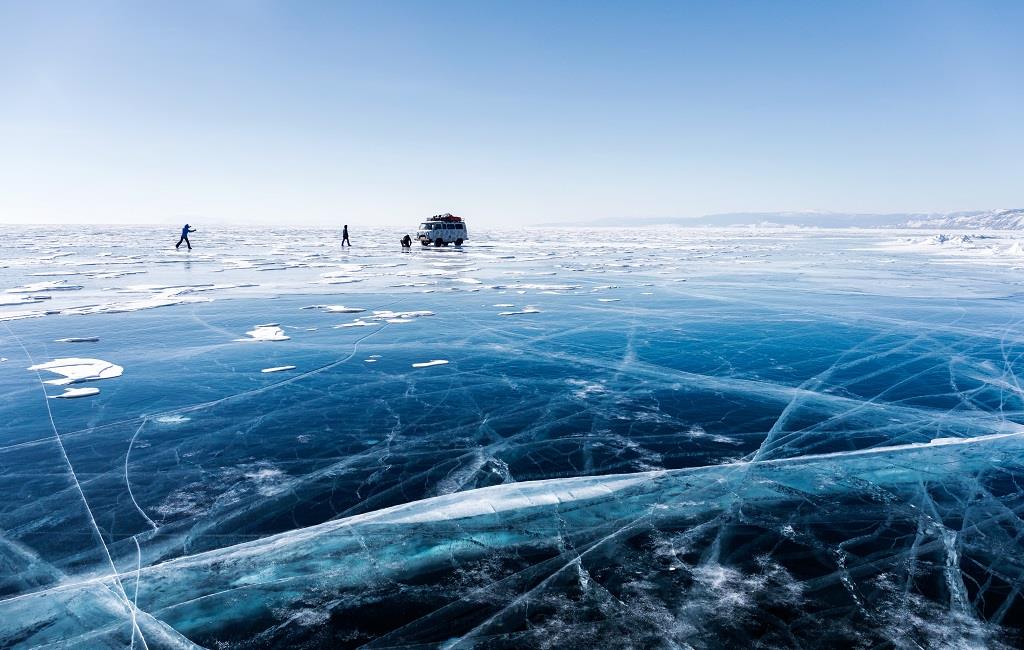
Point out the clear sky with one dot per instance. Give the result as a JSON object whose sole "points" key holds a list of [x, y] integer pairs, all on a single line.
{"points": [[383, 112]]}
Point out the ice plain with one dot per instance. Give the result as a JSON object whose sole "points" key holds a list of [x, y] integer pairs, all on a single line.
{"points": [[680, 438]]}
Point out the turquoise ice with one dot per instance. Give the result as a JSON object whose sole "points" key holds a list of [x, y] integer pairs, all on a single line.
{"points": [[700, 438]]}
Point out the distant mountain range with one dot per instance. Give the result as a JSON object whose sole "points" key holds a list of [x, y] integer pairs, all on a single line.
{"points": [[969, 220]]}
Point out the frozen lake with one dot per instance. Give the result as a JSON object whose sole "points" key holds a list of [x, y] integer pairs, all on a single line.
{"points": [[677, 438]]}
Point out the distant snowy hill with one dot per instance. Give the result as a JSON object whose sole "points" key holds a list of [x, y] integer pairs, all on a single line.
{"points": [[971, 220], [990, 220]]}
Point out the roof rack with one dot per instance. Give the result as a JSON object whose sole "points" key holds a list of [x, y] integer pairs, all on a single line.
{"points": [[447, 216]]}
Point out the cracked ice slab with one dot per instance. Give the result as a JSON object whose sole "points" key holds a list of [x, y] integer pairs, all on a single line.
{"points": [[258, 584]]}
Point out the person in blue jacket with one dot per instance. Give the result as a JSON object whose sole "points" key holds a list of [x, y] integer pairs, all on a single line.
{"points": [[184, 236]]}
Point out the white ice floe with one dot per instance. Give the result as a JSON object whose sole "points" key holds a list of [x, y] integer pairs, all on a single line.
{"points": [[72, 393], [267, 332], [427, 364], [539, 287], [134, 305], [6, 301], [504, 304], [50, 285], [336, 309], [237, 264], [1015, 250], [75, 370], [387, 315], [79, 339], [278, 369], [524, 310], [342, 270], [609, 299], [109, 275], [341, 280], [159, 296], [19, 315]]}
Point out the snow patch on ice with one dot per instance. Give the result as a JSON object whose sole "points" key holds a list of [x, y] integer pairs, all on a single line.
{"points": [[50, 285], [278, 369], [72, 393], [7, 301], [74, 370], [336, 309], [268, 332], [427, 364]]}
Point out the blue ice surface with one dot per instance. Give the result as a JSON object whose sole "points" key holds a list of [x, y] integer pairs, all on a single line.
{"points": [[698, 439]]}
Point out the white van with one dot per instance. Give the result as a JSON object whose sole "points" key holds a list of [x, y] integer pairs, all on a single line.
{"points": [[443, 229]]}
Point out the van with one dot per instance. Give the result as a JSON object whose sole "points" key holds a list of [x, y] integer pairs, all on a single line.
{"points": [[443, 229]]}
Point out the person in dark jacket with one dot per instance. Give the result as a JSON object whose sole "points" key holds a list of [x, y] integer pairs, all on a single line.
{"points": [[344, 236], [406, 242], [184, 236]]}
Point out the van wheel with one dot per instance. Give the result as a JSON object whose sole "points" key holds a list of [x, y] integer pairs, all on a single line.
{"points": [[458, 242], [438, 241], [425, 242]]}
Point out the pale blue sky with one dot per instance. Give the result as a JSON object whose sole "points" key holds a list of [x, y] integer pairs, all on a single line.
{"points": [[382, 112]]}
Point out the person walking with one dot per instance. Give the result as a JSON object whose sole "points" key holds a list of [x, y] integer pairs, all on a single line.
{"points": [[184, 237], [344, 236]]}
